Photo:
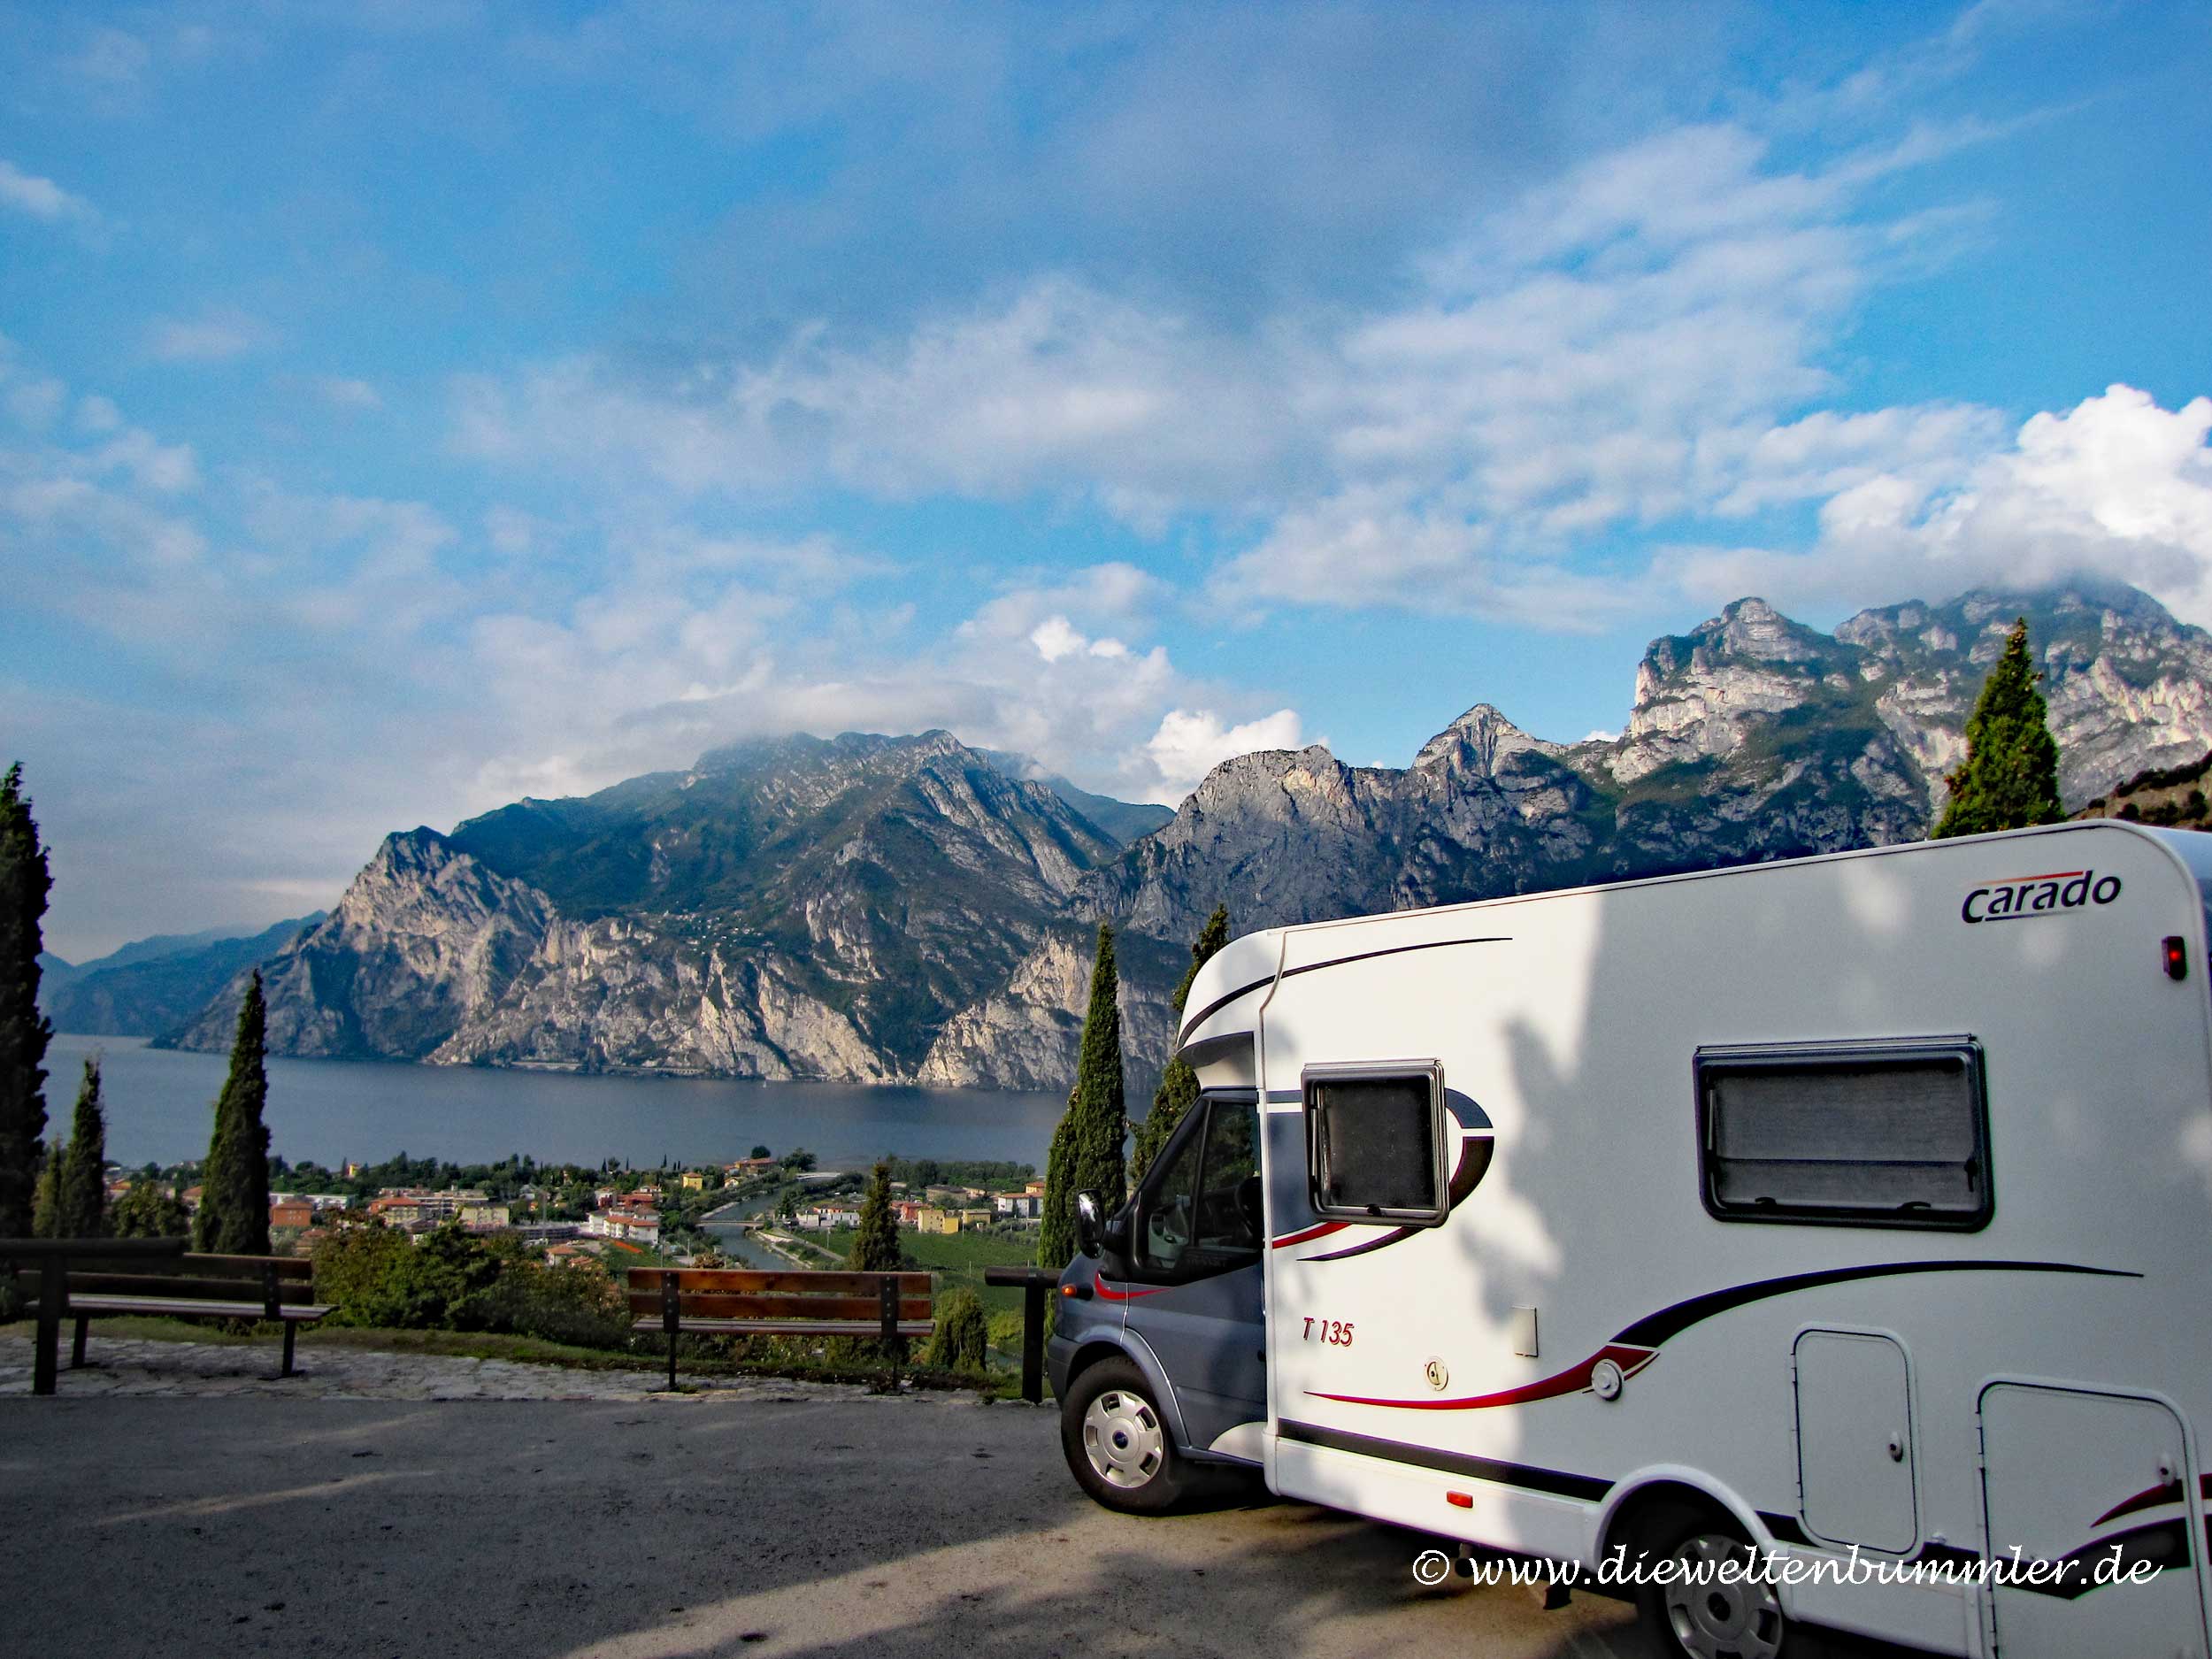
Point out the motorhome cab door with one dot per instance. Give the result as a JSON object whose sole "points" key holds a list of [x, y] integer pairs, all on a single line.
{"points": [[1195, 1258]]}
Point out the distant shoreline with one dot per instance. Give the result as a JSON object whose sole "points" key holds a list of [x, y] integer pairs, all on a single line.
{"points": [[160, 1101]]}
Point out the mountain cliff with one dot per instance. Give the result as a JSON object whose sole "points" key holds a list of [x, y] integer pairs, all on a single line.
{"points": [[1751, 737], [796, 909]]}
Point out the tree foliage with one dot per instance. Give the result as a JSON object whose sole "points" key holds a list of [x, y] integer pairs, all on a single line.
{"points": [[875, 1247], [375, 1275], [148, 1211], [233, 1218], [1086, 1153], [81, 1190], [961, 1335], [1055, 1232], [2010, 778], [1178, 1085], [24, 1032], [46, 1193]]}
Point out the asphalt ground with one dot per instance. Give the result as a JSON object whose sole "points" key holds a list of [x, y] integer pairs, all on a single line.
{"points": [[817, 1522]]}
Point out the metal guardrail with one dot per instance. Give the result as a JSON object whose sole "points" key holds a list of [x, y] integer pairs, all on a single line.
{"points": [[1036, 1284]]}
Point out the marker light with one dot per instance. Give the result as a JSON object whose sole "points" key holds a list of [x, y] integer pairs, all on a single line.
{"points": [[2176, 957]]}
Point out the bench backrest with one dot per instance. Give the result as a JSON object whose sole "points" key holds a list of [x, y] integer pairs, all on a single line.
{"points": [[728, 1293], [210, 1278]]}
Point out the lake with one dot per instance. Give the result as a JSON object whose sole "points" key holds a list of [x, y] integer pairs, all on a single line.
{"points": [[159, 1109]]}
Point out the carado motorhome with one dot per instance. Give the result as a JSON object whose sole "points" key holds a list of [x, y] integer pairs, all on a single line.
{"points": [[1853, 1208]]}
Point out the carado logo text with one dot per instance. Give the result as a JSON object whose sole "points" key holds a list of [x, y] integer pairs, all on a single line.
{"points": [[2019, 896]]}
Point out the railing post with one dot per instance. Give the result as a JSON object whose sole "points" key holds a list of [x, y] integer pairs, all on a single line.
{"points": [[53, 1278], [670, 1320], [887, 1305], [1033, 1341], [1037, 1285]]}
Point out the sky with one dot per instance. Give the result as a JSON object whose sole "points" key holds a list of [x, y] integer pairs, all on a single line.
{"points": [[407, 408]]}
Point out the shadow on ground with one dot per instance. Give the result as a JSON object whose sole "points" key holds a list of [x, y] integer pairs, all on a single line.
{"points": [[823, 1526]]}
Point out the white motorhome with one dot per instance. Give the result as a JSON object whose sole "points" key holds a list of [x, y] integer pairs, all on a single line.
{"points": [[1850, 1209]]}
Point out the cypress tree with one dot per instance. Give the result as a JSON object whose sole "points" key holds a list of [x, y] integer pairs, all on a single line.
{"points": [[875, 1247], [1086, 1148], [1178, 1085], [46, 1195], [24, 885], [233, 1218], [82, 1196], [2010, 778], [1056, 1231]]}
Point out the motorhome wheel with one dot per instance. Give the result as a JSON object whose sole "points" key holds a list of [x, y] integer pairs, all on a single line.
{"points": [[1701, 1611], [1117, 1440]]}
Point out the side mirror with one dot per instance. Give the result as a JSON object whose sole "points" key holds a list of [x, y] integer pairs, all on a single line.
{"points": [[1089, 1223]]}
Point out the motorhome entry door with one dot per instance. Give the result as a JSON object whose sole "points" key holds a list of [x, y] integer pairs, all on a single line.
{"points": [[2077, 1479], [1855, 1461]]}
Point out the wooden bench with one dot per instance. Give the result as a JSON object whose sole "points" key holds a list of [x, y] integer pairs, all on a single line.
{"points": [[96, 1279], [735, 1302]]}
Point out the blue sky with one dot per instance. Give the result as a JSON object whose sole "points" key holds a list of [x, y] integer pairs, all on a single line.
{"points": [[407, 408]]}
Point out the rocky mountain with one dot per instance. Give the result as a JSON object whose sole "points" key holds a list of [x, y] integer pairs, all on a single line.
{"points": [[866, 908], [909, 909], [1124, 820], [150, 984], [1752, 737]]}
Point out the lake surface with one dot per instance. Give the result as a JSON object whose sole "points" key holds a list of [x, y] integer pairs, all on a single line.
{"points": [[160, 1110]]}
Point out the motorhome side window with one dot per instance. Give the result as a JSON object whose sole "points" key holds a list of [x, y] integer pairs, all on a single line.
{"points": [[1888, 1136], [1374, 1140]]}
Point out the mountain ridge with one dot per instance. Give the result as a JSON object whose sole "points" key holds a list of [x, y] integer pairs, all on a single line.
{"points": [[145, 987], [904, 909], [1750, 737]]}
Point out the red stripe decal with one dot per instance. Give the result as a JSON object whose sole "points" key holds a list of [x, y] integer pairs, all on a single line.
{"points": [[1322, 1231], [2151, 1497], [1573, 1380], [2055, 875], [1099, 1283]]}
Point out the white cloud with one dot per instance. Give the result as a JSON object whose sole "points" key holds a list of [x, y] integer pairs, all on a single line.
{"points": [[1189, 743], [114, 59], [2116, 486], [1645, 339], [214, 336], [41, 198], [342, 393], [1055, 638], [1060, 387]]}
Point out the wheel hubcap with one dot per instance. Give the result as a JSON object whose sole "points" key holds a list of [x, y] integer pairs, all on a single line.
{"points": [[1739, 1618], [1122, 1437]]}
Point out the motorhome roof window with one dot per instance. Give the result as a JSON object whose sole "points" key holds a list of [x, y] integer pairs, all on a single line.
{"points": [[1375, 1141], [1893, 1136]]}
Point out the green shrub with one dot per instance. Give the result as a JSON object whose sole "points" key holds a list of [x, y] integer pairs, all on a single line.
{"points": [[372, 1275], [579, 1305], [961, 1334]]}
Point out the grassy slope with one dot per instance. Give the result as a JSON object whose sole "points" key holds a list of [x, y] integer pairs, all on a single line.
{"points": [[959, 1259]]}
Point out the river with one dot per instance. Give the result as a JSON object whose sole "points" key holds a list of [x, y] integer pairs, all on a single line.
{"points": [[159, 1106]]}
